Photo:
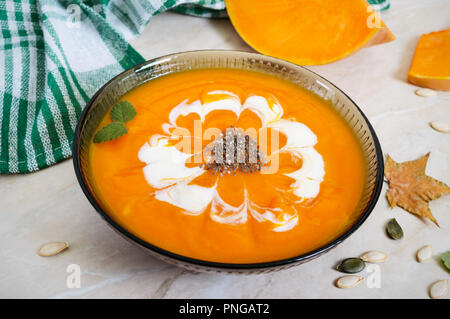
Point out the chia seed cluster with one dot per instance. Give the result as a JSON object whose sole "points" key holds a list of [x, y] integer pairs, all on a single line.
{"points": [[233, 151]]}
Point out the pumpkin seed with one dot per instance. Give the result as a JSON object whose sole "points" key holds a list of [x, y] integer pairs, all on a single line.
{"points": [[440, 126], [374, 256], [349, 281], [351, 265], [424, 254], [394, 230], [51, 249], [425, 92], [439, 289]]}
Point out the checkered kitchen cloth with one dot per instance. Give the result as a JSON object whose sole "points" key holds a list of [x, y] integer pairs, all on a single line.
{"points": [[55, 54]]}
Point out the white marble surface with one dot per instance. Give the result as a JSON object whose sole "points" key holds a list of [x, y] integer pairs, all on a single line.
{"points": [[49, 205]]}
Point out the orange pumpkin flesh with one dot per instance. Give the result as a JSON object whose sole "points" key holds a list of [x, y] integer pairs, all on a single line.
{"points": [[307, 32], [431, 63]]}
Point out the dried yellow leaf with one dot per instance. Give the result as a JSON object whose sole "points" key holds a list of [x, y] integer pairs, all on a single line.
{"points": [[410, 188]]}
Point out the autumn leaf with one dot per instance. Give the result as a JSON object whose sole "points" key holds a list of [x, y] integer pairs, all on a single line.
{"points": [[410, 188]]}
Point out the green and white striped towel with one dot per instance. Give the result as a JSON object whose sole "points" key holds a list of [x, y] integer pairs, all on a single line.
{"points": [[54, 55]]}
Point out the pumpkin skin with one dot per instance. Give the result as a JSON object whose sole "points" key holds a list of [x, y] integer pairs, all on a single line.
{"points": [[431, 63], [307, 32]]}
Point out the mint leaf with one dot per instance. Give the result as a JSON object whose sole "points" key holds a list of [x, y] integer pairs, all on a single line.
{"points": [[445, 257], [110, 132], [123, 112]]}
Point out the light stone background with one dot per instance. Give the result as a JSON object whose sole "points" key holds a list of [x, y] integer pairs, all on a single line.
{"points": [[49, 205]]}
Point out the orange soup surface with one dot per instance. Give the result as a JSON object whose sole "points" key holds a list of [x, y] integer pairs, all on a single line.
{"points": [[155, 181]]}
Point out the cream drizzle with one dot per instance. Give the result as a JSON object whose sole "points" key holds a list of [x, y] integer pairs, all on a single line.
{"points": [[166, 171]]}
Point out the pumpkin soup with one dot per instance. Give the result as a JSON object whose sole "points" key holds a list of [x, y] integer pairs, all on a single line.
{"points": [[230, 166]]}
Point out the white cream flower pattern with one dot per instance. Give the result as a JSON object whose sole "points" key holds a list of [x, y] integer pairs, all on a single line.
{"points": [[167, 172]]}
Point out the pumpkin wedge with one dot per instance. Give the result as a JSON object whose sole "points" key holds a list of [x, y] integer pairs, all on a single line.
{"points": [[431, 63], [307, 32]]}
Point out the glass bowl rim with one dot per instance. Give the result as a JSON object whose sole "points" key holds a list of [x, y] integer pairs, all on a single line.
{"points": [[222, 265]]}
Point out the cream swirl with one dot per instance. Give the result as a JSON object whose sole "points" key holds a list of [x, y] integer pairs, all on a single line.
{"points": [[167, 172]]}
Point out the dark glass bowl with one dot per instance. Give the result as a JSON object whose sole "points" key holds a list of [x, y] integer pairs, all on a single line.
{"points": [[110, 93]]}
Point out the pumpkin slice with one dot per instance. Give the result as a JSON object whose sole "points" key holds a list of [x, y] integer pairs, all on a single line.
{"points": [[307, 32], [431, 63]]}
